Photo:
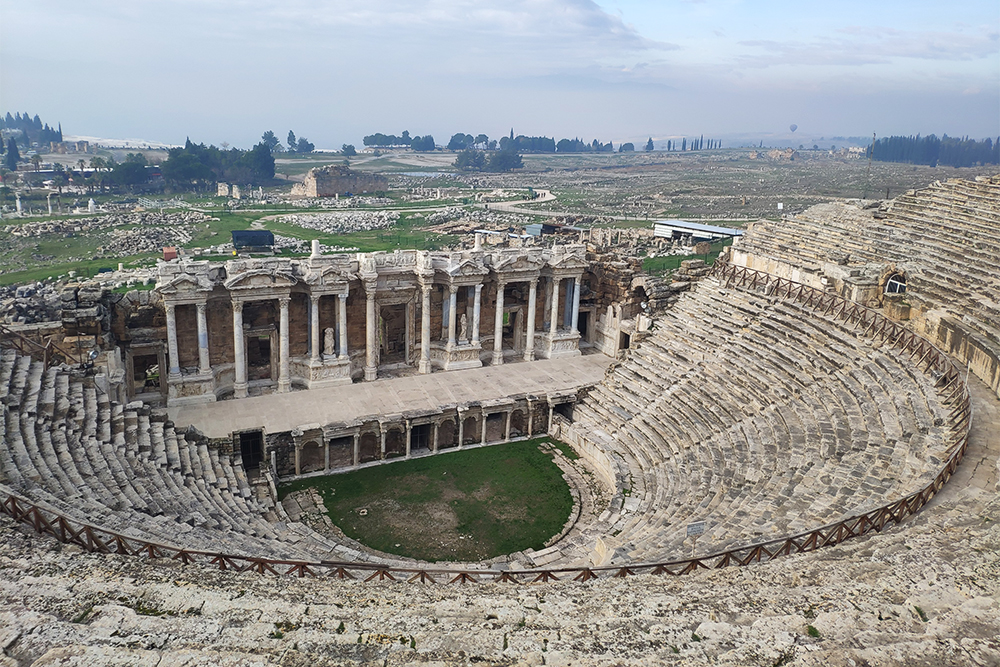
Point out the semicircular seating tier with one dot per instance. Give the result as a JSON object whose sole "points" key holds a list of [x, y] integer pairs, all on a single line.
{"points": [[945, 240], [755, 416], [126, 469]]}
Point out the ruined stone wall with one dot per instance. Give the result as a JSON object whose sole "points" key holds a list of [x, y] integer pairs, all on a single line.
{"points": [[338, 180]]}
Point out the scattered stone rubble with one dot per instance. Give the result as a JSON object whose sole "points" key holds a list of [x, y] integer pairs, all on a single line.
{"points": [[476, 218], [336, 202], [343, 223], [104, 222]]}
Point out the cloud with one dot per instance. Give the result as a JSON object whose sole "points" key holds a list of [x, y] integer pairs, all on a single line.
{"points": [[854, 46]]}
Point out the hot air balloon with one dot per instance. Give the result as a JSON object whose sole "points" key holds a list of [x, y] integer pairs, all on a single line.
{"points": [[793, 127]]}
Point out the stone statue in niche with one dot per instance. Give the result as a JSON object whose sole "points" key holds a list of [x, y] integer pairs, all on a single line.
{"points": [[328, 341], [463, 329]]}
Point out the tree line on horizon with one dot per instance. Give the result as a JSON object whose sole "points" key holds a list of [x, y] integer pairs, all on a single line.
{"points": [[32, 129], [461, 141], [932, 151]]}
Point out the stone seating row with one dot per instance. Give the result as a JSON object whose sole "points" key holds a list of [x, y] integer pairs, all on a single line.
{"points": [[945, 236], [792, 423], [126, 469]]}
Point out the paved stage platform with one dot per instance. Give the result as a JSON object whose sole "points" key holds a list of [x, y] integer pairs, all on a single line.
{"points": [[284, 412]]}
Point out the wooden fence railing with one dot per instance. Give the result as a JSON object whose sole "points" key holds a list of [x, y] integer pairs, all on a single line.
{"points": [[44, 520], [47, 352]]}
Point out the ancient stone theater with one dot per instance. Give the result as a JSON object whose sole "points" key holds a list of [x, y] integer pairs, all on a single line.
{"points": [[805, 430]]}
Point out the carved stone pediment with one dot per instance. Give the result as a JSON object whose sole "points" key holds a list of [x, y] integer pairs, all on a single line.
{"points": [[467, 268], [332, 275], [260, 279], [185, 284], [516, 263], [567, 262]]}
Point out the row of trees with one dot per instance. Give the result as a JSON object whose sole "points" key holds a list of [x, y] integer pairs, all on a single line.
{"points": [[931, 151], [295, 145], [32, 129], [472, 159], [461, 141], [695, 145], [379, 140], [197, 166]]}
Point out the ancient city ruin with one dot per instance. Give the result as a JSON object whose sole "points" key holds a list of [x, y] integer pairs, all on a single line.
{"points": [[335, 180], [821, 382]]}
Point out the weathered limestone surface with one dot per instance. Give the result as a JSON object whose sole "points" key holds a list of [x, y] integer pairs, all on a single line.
{"points": [[61, 606], [944, 240]]}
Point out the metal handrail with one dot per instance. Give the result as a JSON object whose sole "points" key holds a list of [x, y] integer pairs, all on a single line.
{"points": [[96, 539]]}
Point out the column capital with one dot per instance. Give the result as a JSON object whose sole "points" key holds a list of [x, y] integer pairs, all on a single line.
{"points": [[533, 283], [201, 306], [237, 306], [283, 301], [315, 298], [169, 308], [479, 287], [453, 289], [342, 297]]}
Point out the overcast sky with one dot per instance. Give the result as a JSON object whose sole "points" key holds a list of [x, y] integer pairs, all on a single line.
{"points": [[619, 70]]}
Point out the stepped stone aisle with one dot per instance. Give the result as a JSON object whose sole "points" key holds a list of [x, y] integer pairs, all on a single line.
{"points": [[943, 237], [925, 593], [127, 469], [755, 418]]}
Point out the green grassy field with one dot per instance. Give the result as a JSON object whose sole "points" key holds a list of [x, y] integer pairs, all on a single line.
{"points": [[664, 265], [460, 506]]}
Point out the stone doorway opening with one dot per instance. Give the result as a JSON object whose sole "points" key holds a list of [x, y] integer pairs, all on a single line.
{"points": [[259, 357], [393, 338], [513, 334], [420, 439], [251, 449], [146, 373]]}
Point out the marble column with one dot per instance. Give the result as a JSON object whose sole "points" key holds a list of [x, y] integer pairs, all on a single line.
{"points": [[436, 426], [284, 381], [498, 327], [314, 329], [371, 352], [204, 364], [567, 317], [409, 437], [461, 428], [239, 352], [554, 315], [452, 314], [357, 448], [476, 305], [343, 326], [529, 344], [425, 330], [175, 367], [483, 440], [507, 428], [546, 303], [576, 304]]}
